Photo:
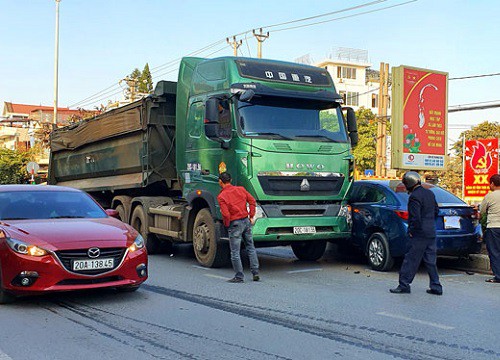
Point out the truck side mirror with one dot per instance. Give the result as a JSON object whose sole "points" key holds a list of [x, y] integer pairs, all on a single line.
{"points": [[352, 126], [247, 95], [212, 110]]}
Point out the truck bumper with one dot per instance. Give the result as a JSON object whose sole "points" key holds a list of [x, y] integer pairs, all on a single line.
{"points": [[282, 229]]}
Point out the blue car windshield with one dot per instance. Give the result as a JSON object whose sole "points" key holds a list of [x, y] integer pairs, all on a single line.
{"points": [[442, 196], [291, 119], [24, 205]]}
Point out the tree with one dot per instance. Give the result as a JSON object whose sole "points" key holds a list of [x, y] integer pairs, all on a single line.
{"points": [[365, 152], [451, 178], [135, 75], [13, 166], [146, 81]]}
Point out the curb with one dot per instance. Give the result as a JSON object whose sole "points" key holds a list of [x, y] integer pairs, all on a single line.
{"points": [[475, 262]]}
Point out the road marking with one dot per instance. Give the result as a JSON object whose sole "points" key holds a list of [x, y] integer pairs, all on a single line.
{"points": [[201, 267], [4, 356], [400, 317], [302, 271], [216, 276]]}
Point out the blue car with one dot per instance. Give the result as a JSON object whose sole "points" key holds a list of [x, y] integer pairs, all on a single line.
{"points": [[380, 222]]}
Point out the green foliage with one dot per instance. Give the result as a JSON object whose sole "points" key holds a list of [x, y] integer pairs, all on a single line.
{"points": [[136, 74], [365, 152], [13, 166], [146, 81], [451, 178], [329, 121]]}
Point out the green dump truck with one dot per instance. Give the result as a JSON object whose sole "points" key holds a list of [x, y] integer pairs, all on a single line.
{"points": [[276, 127]]}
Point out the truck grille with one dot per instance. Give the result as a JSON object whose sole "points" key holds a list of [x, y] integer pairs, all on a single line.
{"points": [[66, 258], [291, 185]]}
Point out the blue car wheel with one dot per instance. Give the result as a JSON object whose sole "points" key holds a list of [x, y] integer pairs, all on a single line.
{"points": [[378, 252]]}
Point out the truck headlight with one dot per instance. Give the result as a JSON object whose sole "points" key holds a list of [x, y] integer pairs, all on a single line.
{"points": [[345, 211], [21, 247], [259, 212], [138, 244]]}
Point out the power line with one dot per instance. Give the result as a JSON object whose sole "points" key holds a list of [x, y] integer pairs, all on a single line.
{"points": [[474, 76], [174, 62]]}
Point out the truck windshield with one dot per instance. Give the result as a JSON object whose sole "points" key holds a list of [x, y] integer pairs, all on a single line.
{"points": [[291, 119]]}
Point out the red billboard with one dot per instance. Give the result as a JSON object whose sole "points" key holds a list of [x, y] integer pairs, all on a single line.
{"points": [[420, 114], [480, 162]]}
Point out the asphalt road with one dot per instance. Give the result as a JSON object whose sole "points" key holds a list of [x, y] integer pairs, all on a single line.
{"points": [[333, 308]]}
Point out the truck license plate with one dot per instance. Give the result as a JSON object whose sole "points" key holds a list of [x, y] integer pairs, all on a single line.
{"points": [[297, 230], [95, 264]]}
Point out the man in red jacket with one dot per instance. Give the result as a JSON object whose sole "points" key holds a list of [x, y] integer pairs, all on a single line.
{"points": [[233, 206]]}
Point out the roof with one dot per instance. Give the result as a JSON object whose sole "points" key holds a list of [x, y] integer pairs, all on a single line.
{"points": [[10, 188], [28, 109]]}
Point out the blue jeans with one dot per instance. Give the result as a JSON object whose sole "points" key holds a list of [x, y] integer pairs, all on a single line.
{"points": [[242, 230]]}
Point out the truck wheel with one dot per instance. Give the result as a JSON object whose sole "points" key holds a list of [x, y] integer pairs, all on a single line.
{"points": [[379, 255], [309, 250], [121, 213], [139, 222], [209, 251]]}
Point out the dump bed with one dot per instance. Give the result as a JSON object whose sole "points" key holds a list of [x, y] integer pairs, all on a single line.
{"points": [[129, 147]]}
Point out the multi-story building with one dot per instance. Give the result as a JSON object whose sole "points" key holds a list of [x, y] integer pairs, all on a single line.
{"points": [[354, 79]]}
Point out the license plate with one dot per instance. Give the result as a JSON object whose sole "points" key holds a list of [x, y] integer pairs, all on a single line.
{"points": [[304, 230], [94, 264], [452, 222]]}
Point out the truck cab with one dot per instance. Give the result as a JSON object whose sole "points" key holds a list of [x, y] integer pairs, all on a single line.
{"points": [[279, 130]]}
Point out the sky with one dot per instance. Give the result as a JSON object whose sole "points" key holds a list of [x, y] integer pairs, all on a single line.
{"points": [[102, 41]]}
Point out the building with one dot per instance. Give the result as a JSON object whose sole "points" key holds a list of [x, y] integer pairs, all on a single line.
{"points": [[353, 77]]}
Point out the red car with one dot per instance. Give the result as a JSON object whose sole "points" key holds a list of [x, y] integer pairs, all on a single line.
{"points": [[56, 238]]}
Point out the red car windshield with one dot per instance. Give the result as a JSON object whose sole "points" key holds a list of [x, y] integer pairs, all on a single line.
{"points": [[24, 205]]}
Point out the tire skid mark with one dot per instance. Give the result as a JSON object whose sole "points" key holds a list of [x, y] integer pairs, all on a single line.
{"points": [[263, 314], [134, 335], [97, 312]]}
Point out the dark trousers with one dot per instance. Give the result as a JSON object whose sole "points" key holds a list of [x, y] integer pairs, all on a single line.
{"points": [[421, 249], [241, 230], [492, 238]]}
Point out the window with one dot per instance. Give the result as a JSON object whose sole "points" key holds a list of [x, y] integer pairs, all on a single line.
{"points": [[368, 194], [352, 98], [225, 127], [196, 119], [344, 72], [374, 101]]}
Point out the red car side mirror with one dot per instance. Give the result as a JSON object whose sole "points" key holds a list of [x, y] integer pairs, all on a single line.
{"points": [[113, 213]]}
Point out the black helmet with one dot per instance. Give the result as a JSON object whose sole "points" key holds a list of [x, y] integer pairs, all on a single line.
{"points": [[411, 179]]}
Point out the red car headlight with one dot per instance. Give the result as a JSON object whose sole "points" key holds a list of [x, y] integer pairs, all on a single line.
{"points": [[21, 247], [138, 244]]}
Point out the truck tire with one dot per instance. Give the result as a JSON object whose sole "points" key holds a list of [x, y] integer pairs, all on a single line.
{"points": [[208, 249], [378, 253], [121, 213], [309, 250], [139, 222]]}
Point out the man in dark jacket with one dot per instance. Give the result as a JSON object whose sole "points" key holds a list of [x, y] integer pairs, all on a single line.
{"points": [[233, 202], [422, 213]]}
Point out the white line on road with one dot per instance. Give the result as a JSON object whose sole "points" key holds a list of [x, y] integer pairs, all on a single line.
{"points": [[4, 356], [216, 276], [400, 317], [201, 267], [302, 271]]}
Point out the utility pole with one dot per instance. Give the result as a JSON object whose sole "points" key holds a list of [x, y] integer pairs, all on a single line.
{"points": [[383, 97], [261, 37], [56, 64], [234, 44]]}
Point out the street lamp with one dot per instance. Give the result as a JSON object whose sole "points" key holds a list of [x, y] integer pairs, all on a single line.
{"points": [[56, 63]]}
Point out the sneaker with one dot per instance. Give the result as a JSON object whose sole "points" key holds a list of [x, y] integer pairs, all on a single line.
{"points": [[256, 277], [235, 280]]}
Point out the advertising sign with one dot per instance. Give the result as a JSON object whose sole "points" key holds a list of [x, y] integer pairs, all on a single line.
{"points": [[419, 118], [480, 162]]}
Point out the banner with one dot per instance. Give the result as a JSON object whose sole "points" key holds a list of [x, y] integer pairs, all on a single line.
{"points": [[480, 162], [419, 118]]}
